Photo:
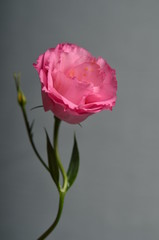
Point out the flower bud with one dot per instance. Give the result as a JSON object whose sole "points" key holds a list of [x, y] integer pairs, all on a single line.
{"points": [[21, 98]]}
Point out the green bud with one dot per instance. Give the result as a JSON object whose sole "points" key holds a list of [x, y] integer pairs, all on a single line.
{"points": [[21, 98]]}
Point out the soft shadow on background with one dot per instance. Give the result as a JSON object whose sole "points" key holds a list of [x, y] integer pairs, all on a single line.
{"points": [[116, 194]]}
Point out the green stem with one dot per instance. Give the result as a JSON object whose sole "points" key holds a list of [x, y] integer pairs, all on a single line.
{"points": [[52, 227], [22, 102], [62, 190], [55, 140], [31, 138]]}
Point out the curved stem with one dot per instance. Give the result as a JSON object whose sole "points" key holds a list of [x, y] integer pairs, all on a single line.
{"points": [[22, 102], [51, 228], [55, 140], [31, 138], [61, 190]]}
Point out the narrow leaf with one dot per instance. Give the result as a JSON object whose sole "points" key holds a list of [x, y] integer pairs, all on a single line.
{"points": [[31, 126], [36, 107], [74, 164], [52, 162]]}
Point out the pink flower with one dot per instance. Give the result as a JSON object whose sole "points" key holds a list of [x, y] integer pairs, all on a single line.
{"points": [[74, 83]]}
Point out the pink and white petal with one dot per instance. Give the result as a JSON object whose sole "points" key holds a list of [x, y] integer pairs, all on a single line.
{"points": [[95, 107], [60, 111], [39, 63], [72, 55], [70, 88], [43, 77], [110, 85]]}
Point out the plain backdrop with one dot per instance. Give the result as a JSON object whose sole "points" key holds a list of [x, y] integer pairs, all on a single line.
{"points": [[116, 194]]}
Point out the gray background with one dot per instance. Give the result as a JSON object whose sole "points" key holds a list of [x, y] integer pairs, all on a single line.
{"points": [[116, 195]]}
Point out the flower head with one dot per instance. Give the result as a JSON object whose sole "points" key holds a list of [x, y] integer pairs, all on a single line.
{"points": [[74, 83]]}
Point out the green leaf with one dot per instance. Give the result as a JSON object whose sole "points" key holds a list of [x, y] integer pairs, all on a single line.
{"points": [[52, 162], [31, 126], [74, 165]]}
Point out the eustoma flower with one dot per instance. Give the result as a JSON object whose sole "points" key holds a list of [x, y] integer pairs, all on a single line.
{"points": [[74, 83]]}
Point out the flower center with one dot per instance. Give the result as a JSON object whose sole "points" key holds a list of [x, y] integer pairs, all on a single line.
{"points": [[85, 72]]}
